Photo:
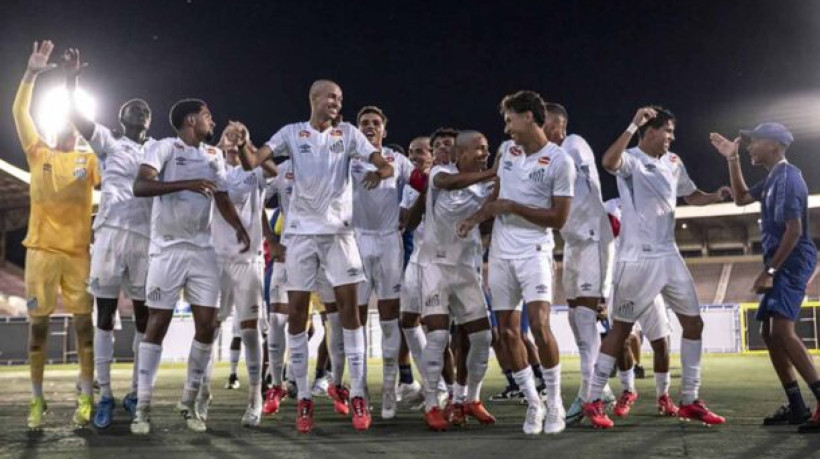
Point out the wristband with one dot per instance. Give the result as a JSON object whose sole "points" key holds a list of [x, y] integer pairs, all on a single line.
{"points": [[733, 158], [632, 128]]}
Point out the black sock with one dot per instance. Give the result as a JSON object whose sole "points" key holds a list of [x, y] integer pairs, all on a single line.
{"points": [[537, 371], [405, 374], [815, 389], [796, 402], [510, 380], [320, 373]]}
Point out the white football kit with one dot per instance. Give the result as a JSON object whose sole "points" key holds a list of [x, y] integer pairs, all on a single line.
{"points": [[282, 186], [649, 262], [410, 298], [319, 221], [376, 224], [588, 247], [122, 227], [520, 263], [182, 250]]}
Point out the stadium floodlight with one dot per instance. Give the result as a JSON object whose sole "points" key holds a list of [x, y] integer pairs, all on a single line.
{"points": [[52, 111]]}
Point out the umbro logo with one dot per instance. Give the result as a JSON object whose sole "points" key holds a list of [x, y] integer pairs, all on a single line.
{"points": [[651, 167], [542, 288], [353, 272], [305, 148], [586, 286]]}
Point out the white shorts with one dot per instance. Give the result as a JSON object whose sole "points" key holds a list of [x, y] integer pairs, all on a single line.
{"points": [[183, 266], [655, 323], [528, 279], [324, 289], [454, 291], [337, 254], [411, 289], [587, 270], [637, 283], [240, 287], [119, 261], [236, 327], [278, 281], [382, 258]]}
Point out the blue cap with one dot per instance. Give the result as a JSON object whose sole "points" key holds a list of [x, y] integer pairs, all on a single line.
{"points": [[769, 131]]}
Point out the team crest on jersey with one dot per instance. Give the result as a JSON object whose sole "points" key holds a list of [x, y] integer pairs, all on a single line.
{"points": [[337, 146], [304, 134], [80, 173], [515, 151], [357, 168], [538, 176], [545, 161], [336, 133], [432, 300], [250, 179], [305, 148]]}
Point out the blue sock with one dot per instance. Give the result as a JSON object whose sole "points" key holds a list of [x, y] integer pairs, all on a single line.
{"points": [[405, 374], [796, 402], [815, 389]]}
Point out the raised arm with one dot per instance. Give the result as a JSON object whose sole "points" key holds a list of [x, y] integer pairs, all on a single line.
{"points": [[73, 68], [146, 185], [729, 150], [461, 180], [37, 64], [612, 156]]}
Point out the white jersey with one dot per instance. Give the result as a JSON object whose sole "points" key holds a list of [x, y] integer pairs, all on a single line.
{"points": [[445, 208], [532, 181], [184, 217], [120, 159], [408, 198], [246, 190], [587, 216], [322, 200], [376, 211], [649, 188], [282, 186]]}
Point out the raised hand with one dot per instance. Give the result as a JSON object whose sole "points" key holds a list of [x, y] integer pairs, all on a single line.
{"points": [[643, 115], [727, 148], [38, 61], [71, 62]]}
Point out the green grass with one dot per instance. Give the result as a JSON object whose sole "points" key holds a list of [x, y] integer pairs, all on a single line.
{"points": [[742, 388]]}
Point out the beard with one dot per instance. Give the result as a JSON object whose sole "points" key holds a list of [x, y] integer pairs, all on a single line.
{"points": [[209, 137]]}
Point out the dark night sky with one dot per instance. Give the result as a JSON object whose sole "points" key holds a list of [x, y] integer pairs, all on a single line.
{"points": [[719, 65]]}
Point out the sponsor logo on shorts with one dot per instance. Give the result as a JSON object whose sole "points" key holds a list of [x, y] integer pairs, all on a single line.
{"points": [[626, 309], [32, 303], [305, 148], [338, 146], [432, 300], [304, 134], [80, 173], [585, 287], [154, 295], [542, 288], [352, 272]]}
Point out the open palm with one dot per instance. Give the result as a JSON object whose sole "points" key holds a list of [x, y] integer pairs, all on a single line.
{"points": [[38, 61]]}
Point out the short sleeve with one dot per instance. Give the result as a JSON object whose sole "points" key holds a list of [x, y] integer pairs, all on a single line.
{"points": [[756, 191], [360, 146], [279, 145], [435, 171], [408, 197], [563, 182], [220, 172], [791, 197], [156, 155], [628, 164], [102, 140], [685, 184]]}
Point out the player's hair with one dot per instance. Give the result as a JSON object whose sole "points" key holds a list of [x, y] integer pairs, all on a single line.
{"points": [[659, 121], [557, 109], [443, 132], [129, 102], [525, 101], [397, 148], [371, 109], [182, 109]]}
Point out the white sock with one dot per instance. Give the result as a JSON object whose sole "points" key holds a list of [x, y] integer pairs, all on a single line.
{"points": [[552, 379], [416, 340], [235, 353], [336, 347], [135, 347], [354, 353], [198, 361], [298, 345], [588, 339], [277, 342], [459, 393], [526, 383], [661, 384], [391, 345], [253, 363], [477, 360], [103, 354], [150, 355], [690, 352], [433, 358], [603, 367], [627, 378]]}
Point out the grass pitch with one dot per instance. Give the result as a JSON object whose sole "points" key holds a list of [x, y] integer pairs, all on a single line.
{"points": [[742, 388]]}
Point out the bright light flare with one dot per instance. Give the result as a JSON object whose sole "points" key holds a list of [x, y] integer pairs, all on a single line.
{"points": [[52, 111]]}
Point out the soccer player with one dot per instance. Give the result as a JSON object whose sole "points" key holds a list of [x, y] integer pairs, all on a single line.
{"points": [[587, 249], [57, 242], [789, 259], [376, 223], [122, 231], [320, 231], [450, 275], [650, 179], [187, 177]]}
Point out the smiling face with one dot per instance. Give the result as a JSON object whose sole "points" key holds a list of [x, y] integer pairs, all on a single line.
{"points": [[373, 127], [516, 125], [659, 139], [473, 151], [420, 153], [443, 149], [326, 101], [555, 128]]}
